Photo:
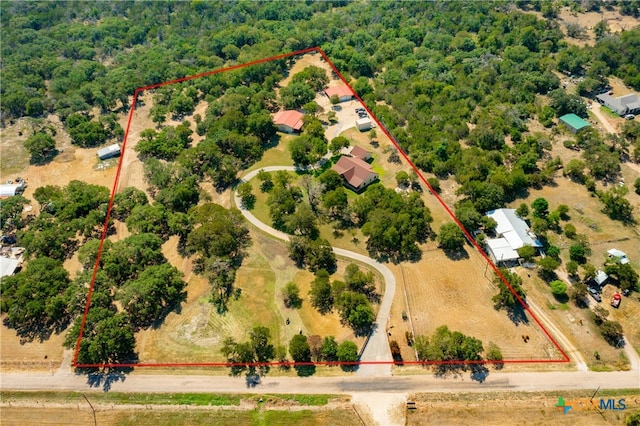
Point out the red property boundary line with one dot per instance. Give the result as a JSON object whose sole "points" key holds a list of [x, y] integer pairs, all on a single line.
{"points": [[75, 363]]}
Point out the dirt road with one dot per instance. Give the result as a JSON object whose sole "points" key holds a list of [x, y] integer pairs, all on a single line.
{"points": [[377, 347], [595, 108]]}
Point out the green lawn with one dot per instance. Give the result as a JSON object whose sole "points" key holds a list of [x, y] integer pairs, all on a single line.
{"points": [[608, 112], [256, 305], [277, 154]]}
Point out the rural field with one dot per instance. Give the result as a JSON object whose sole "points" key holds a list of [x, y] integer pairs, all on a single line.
{"points": [[441, 291], [433, 291], [196, 333], [523, 408], [71, 408]]}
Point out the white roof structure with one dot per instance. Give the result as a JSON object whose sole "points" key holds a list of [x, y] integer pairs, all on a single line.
{"points": [[9, 190], [364, 123], [513, 229], [600, 277], [622, 256], [109, 151], [501, 250], [8, 266]]}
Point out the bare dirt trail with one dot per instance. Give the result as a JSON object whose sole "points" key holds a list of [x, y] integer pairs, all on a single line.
{"points": [[595, 109]]}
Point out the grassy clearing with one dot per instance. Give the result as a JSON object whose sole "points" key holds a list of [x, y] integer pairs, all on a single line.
{"points": [[277, 155], [608, 112], [128, 398], [256, 304], [83, 416], [302, 399]]}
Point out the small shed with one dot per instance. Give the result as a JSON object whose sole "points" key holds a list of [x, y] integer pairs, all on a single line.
{"points": [[574, 123], [364, 123], [601, 278], [109, 152], [8, 266], [10, 189], [288, 121]]}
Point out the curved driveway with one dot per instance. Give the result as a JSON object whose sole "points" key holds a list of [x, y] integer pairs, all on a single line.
{"points": [[377, 346]]}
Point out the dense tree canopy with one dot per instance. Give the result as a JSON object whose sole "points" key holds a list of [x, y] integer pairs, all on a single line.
{"points": [[34, 299]]}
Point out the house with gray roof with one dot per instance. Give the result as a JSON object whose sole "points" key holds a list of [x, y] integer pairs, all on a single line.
{"points": [[627, 104]]}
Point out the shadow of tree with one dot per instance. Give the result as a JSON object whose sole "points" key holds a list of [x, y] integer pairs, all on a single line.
{"points": [[305, 369], [34, 331], [460, 254], [518, 315], [479, 372], [104, 378]]}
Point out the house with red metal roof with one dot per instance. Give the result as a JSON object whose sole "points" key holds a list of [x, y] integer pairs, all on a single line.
{"points": [[342, 91], [288, 121]]}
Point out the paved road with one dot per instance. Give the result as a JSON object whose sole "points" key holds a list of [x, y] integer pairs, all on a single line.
{"points": [[495, 381], [377, 347]]}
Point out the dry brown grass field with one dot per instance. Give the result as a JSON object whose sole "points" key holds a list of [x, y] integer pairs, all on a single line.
{"points": [[577, 325], [515, 408], [441, 291], [616, 22]]}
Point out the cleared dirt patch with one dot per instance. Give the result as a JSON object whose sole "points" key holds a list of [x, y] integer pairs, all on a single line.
{"points": [[304, 61], [615, 21]]}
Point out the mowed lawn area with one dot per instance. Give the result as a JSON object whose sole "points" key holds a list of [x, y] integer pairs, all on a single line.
{"points": [[196, 333]]}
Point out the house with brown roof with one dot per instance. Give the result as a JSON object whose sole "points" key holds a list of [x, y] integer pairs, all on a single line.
{"points": [[289, 121], [361, 153], [342, 91], [356, 173]]}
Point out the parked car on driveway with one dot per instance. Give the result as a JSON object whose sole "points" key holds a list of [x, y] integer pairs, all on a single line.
{"points": [[595, 294]]}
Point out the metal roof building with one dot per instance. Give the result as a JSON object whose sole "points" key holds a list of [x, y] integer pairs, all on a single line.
{"points": [[9, 190], [513, 233], [8, 266], [620, 255], [573, 122], [109, 151], [627, 104]]}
